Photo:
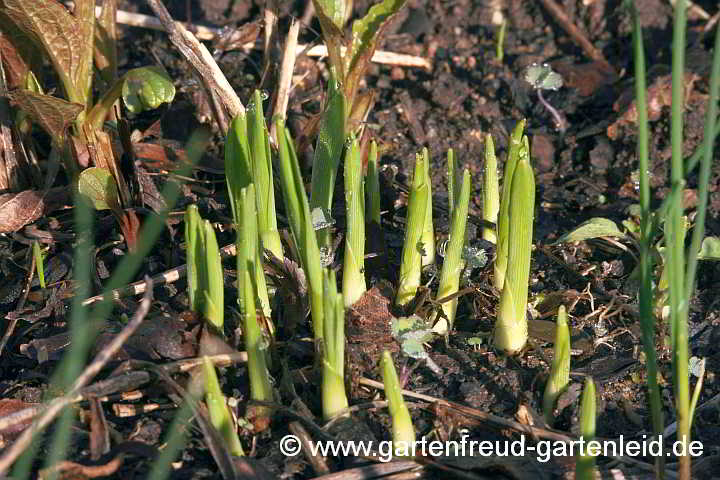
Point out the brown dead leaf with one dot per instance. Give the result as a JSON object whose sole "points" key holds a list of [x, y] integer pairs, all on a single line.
{"points": [[53, 114], [9, 406], [586, 78], [22, 208], [67, 470]]}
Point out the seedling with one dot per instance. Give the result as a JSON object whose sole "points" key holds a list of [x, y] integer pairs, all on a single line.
{"points": [[403, 432], [585, 463], [354, 268], [217, 407], [542, 77], [560, 369], [334, 399]]}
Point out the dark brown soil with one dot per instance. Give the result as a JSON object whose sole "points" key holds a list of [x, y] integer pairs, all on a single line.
{"points": [[581, 173]]}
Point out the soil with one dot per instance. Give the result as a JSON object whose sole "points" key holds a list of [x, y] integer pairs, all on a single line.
{"points": [[583, 172]]}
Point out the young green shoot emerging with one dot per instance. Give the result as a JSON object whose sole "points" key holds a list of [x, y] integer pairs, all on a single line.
{"points": [[328, 149], [428, 234], [262, 177], [453, 263], [410, 268], [403, 433], [354, 265], [372, 185], [560, 369], [542, 77], [299, 217], [205, 276], [39, 267], [511, 328], [503, 219], [585, 463], [248, 262], [491, 190], [334, 399], [219, 414]]}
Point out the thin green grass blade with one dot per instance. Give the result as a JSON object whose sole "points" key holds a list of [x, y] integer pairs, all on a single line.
{"points": [[218, 409], [585, 463], [215, 288], [428, 233], [238, 163], [491, 190], [39, 267], [645, 294], [403, 432], [560, 368], [354, 264], [372, 184]]}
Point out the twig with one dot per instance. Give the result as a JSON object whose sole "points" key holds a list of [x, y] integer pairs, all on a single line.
{"points": [[168, 276], [199, 57], [206, 33], [286, 71], [559, 15], [57, 405]]}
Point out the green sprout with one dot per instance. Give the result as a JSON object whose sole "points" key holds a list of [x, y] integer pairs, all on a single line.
{"points": [[403, 432], [354, 265], [585, 463], [503, 219], [38, 256], [219, 413], [542, 77], [248, 257], [560, 369], [334, 399], [500, 42], [410, 268], [453, 264], [205, 275], [491, 190], [428, 234], [297, 207], [372, 185], [511, 328]]}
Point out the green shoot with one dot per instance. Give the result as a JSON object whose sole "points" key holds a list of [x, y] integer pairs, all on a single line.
{"points": [[491, 190], [328, 149], [354, 265], [372, 185], [500, 43], [501, 259], [205, 277], [403, 433], [453, 264], [262, 177], [255, 342], [585, 463], [218, 410], [511, 328], [38, 256], [410, 268], [451, 180], [299, 217], [428, 234], [560, 369], [334, 399]]}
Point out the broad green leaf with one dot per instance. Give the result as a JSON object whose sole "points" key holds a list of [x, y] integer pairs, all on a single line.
{"points": [[411, 333], [67, 39], [147, 88], [365, 33], [51, 113], [710, 249], [98, 185], [334, 10], [593, 228]]}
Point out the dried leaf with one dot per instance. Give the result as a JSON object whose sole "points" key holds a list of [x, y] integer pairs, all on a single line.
{"points": [[99, 186], [67, 38], [52, 113], [19, 209]]}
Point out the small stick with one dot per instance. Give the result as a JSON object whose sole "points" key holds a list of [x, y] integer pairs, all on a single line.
{"points": [[558, 13], [286, 71], [197, 54], [57, 405]]}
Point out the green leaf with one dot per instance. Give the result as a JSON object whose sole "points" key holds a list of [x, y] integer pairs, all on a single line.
{"points": [[542, 77], [593, 228], [411, 333], [333, 10], [53, 114], [147, 88], [710, 249], [365, 34], [67, 39], [331, 14], [98, 185]]}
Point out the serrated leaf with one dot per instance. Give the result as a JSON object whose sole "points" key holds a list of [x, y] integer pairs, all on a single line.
{"points": [[147, 88], [710, 249], [67, 38], [52, 113], [98, 185], [593, 228], [365, 33]]}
